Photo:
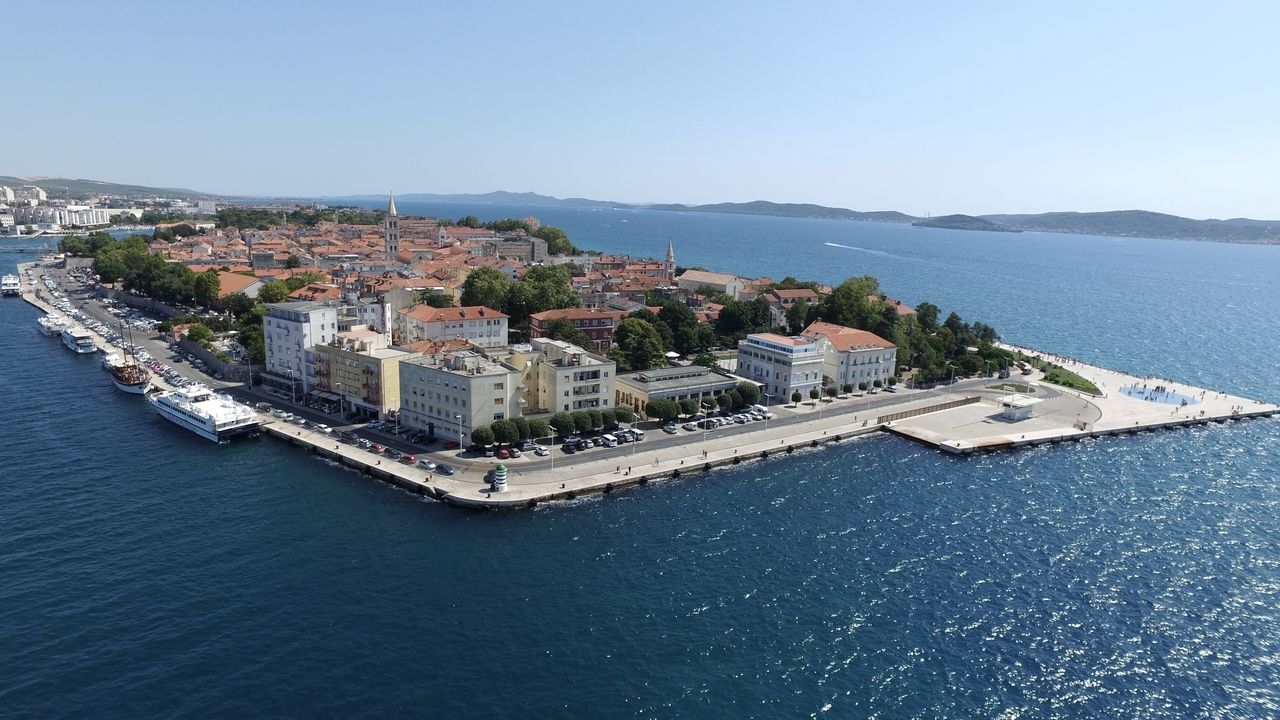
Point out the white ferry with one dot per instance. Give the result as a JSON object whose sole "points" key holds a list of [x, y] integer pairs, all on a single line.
{"points": [[10, 285], [78, 340], [205, 413], [50, 325]]}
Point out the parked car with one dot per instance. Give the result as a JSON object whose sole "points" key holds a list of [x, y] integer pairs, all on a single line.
{"points": [[690, 426], [408, 459], [527, 445], [375, 448], [451, 445], [444, 469], [670, 429], [427, 464], [568, 448], [502, 453], [392, 453], [541, 451], [515, 451]]}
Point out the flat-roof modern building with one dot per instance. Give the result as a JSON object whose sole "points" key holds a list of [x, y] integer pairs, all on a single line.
{"points": [[562, 377], [359, 368], [450, 395], [781, 365], [636, 389], [289, 331]]}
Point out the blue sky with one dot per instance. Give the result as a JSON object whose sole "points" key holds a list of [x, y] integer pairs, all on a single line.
{"points": [[923, 107]]}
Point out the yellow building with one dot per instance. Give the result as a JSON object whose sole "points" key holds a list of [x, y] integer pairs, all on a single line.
{"points": [[362, 371]]}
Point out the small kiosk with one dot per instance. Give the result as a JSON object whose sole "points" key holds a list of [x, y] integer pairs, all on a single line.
{"points": [[1015, 406]]}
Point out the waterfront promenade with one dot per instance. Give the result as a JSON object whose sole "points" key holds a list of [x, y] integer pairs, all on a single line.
{"points": [[961, 418]]}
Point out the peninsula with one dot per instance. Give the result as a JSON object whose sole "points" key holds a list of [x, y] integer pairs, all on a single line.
{"points": [[493, 364]]}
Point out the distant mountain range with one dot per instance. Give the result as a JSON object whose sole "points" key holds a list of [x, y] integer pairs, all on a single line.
{"points": [[1124, 223]]}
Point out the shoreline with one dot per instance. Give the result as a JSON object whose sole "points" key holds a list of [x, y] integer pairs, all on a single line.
{"points": [[944, 418]]}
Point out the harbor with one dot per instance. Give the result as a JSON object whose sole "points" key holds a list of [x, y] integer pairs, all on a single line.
{"points": [[972, 415]]}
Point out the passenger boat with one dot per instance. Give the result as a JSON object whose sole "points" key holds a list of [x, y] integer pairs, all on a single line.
{"points": [[49, 325], [78, 340], [10, 285], [210, 415], [127, 374]]}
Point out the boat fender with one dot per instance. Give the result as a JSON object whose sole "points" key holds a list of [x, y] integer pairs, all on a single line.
{"points": [[790, 449], [814, 443], [674, 474], [736, 459], [645, 480], [764, 455], [572, 495], [836, 438], [608, 488], [706, 468]]}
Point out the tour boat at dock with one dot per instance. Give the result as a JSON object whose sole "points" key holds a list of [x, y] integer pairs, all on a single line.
{"points": [[50, 325], [210, 415], [10, 285], [127, 375], [78, 340]]}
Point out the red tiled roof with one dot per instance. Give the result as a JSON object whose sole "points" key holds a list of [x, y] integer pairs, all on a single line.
{"points": [[844, 339], [428, 314]]}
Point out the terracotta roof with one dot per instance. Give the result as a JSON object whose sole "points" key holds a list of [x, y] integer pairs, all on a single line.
{"points": [[230, 283], [574, 314], [844, 339], [428, 314]]}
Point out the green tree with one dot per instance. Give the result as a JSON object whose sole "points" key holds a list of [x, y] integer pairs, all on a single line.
{"points": [[724, 401], [205, 287], [482, 436], [608, 418], [832, 391], [293, 262], [624, 414], [927, 315], [522, 427], [688, 406], [735, 399], [470, 221], [540, 428], [706, 360], [798, 316], [862, 387], [504, 431], [273, 291], [814, 394], [847, 388], [662, 409], [749, 391], [795, 397], [557, 241], [581, 421], [893, 380], [878, 384], [597, 419], [564, 329], [431, 298], [250, 338], [237, 304], [637, 346], [543, 287], [485, 286], [199, 334], [563, 423]]}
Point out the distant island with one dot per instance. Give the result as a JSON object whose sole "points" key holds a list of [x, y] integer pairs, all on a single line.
{"points": [[963, 222], [1121, 223]]}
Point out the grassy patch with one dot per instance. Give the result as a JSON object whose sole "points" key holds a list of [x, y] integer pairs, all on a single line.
{"points": [[1058, 375], [1014, 387]]}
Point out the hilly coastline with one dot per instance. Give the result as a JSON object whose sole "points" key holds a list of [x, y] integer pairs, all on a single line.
{"points": [[1121, 223], [963, 222]]}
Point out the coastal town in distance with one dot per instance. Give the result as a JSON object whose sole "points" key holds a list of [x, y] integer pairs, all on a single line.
{"points": [[495, 364]]}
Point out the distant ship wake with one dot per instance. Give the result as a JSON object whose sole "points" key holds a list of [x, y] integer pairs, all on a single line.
{"points": [[865, 250]]}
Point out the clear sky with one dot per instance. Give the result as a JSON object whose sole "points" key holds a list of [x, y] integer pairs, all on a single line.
{"points": [[922, 107]]}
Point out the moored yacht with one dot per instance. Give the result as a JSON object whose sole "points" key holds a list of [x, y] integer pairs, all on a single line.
{"points": [[211, 416], [78, 340], [127, 375], [49, 325], [10, 285]]}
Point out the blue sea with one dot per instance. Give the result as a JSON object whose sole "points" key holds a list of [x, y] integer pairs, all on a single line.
{"points": [[146, 573]]}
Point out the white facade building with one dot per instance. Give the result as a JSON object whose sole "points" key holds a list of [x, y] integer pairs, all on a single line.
{"points": [[450, 395], [78, 215], [290, 330], [480, 325], [851, 356], [781, 365], [562, 377], [31, 193]]}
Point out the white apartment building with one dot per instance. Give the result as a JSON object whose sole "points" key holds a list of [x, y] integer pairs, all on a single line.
{"points": [[562, 377], [851, 356], [480, 325], [451, 394], [781, 365], [290, 330], [31, 193], [49, 215]]}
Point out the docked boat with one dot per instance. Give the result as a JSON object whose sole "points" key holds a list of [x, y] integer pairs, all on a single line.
{"points": [[210, 415], [78, 340], [10, 285], [49, 325], [127, 374]]}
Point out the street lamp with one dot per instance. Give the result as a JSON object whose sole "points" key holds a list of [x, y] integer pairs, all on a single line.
{"points": [[458, 417], [766, 397], [952, 379]]}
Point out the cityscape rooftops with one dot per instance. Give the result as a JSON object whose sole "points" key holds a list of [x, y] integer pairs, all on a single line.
{"points": [[429, 314]]}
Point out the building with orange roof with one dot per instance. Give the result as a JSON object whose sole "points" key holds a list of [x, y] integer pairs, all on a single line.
{"points": [[480, 325], [599, 325], [230, 283], [852, 356]]}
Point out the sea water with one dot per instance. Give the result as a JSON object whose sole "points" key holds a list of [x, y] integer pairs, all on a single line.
{"points": [[145, 572]]}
